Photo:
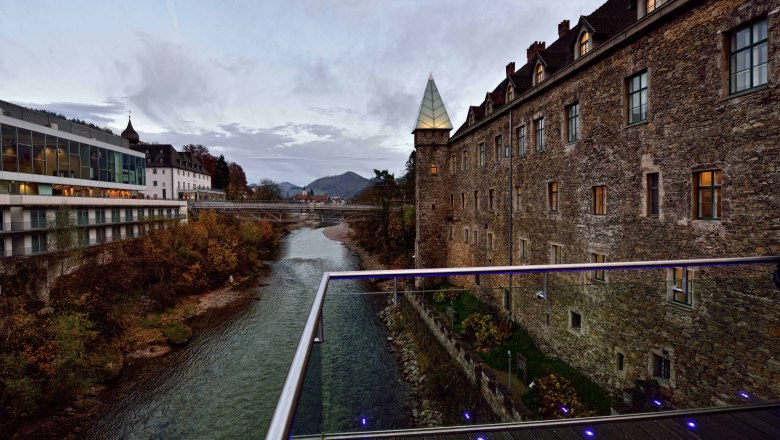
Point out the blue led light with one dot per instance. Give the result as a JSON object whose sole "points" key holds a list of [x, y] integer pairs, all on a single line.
{"points": [[565, 410], [590, 433], [363, 421], [467, 415], [657, 402], [691, 424], [744, 395], [480, 438]]}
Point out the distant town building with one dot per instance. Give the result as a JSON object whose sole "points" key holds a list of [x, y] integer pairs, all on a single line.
{"points": [[49, 163], [647, 131]]}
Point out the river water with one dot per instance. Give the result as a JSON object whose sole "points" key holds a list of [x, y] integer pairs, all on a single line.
{"points": [[226, 382]]}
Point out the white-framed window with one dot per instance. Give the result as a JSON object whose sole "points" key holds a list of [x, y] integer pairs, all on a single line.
{"points": [[680, 289]]}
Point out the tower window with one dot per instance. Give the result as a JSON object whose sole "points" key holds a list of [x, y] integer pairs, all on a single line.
{"points": [[434, 169]]}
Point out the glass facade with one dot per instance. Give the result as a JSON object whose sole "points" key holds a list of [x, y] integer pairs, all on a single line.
{"points": [[30, 152]]}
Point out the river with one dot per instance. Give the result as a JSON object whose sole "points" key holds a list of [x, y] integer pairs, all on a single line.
{"points": [[226, 381]]}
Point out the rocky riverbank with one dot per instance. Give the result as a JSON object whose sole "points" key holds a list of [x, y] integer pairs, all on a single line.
{"points": [[425, 411]]}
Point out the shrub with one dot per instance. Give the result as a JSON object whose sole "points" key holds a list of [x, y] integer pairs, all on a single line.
{"points": [[557, 399], [483, 331], [176, 332]]}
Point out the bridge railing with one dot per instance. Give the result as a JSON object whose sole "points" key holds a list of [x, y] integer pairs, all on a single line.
{"points": [[314, 331]]}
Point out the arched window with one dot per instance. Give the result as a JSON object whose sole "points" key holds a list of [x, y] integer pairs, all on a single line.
{"points": [[434, 169], [539, 75], [584, 43], [510, 93]]}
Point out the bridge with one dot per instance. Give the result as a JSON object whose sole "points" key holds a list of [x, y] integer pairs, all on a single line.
{"points": [[285, 212]]}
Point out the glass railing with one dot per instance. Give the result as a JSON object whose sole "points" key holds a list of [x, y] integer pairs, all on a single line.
{"points": [[488, 345]]}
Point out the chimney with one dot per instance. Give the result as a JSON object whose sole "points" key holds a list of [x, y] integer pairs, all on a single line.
{"points": [[563, 27], [533, 49], [510, 68]]}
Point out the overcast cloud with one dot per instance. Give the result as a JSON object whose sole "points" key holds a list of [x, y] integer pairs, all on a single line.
{"points": [[291, 90]]}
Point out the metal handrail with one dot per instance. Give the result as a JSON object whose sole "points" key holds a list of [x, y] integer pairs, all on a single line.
{"points": [[282, 419]]}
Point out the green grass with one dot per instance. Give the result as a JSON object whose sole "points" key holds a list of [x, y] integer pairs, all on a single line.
{"points": [[539, 364]]}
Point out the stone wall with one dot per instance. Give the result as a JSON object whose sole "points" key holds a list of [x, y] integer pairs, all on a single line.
{"points": [[729, 339], [496, 395]]}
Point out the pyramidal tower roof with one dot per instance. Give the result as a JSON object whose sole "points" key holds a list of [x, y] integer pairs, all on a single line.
{"points": [[432, 115]]}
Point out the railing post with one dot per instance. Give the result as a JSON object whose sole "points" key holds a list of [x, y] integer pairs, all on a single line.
{"points": [[395, 292]]}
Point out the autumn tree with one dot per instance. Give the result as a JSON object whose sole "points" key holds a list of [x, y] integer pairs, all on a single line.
{"points": [[268, 189], [63, 240], [236, 186], [200, 152]]}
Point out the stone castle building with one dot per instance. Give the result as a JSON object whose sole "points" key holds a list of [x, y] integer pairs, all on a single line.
{"points": [[649, 130]]}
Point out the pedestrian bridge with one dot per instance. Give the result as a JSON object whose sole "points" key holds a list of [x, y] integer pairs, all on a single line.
{"points": [[284, 212]]}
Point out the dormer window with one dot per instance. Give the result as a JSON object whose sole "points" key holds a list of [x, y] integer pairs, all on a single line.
{"points": [[489, 107], [538, 73], [471, 119], [510, 93], [583, 43]]}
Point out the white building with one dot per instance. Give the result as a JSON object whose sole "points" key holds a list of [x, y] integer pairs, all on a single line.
{"points": [[175, 175]]}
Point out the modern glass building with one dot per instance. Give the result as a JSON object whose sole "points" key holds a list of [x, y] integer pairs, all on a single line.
{"points": [[48, 162]]}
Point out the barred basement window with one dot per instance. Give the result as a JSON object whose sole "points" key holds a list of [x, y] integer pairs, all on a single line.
{"points": [[662, 367], [748, 57]]}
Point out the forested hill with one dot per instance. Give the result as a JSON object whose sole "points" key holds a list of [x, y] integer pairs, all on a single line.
{"points": [[344, 185]]}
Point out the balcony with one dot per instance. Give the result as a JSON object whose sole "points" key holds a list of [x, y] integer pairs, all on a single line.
{"points": [[691, 342]]}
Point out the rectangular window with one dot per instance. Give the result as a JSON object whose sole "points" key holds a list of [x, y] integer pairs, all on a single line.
{"points": [[552, 196], [116, 233], [521, 141], [140, 214], [620, 361], [490, 240], [476, 200], [100, 216], [115, 215], [556, 254], [463, 200], [100, 235], [748, 57], [482, 154], [637, 98], [575, 321], [499, 141], [452, 232], [682, 286], [475, 236], [539, 126], [83, 237], [598, 275], [662, 367], [38, 219], [572, 123], [465, 160], [518, 205], [452, 201], [466, 235], [653, 206], [600, 200], [708, 196], [39, 243], [490, 200], [523, 249], [453, 164], [82, 217]]}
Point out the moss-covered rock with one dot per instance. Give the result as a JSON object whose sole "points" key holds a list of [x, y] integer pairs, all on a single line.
{"points": [[176, 332]]}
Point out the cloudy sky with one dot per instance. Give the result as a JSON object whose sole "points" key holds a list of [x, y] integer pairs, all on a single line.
{"points": [[292, 90]]}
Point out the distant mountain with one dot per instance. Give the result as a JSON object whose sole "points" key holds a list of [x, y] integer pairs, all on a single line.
{"points": [[289, 189], [345, 185]]}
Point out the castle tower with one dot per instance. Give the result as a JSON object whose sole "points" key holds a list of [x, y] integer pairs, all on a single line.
{"points": [[431, 136]]}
